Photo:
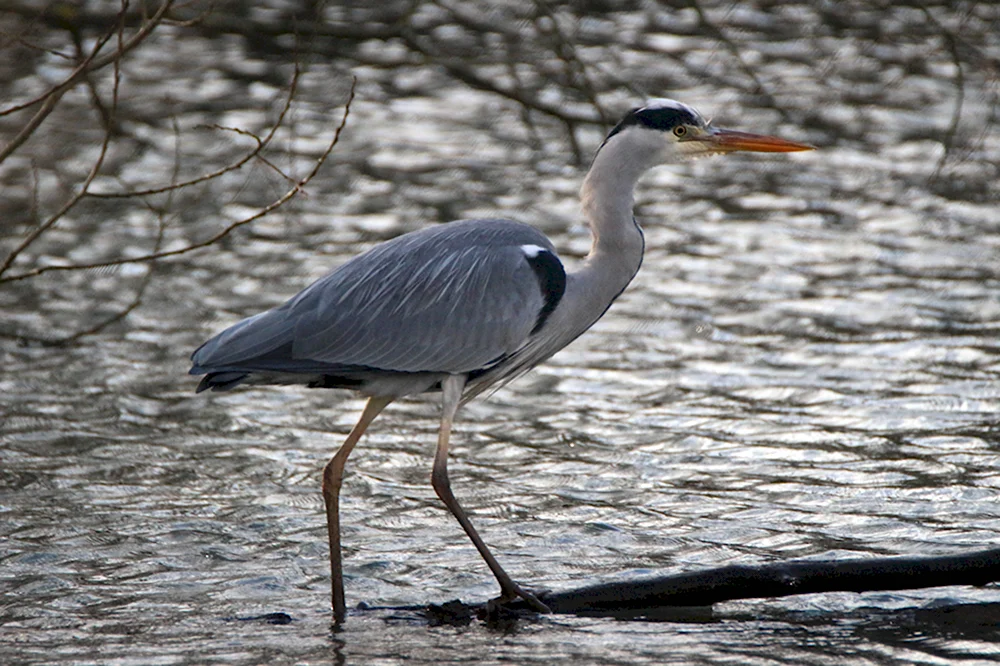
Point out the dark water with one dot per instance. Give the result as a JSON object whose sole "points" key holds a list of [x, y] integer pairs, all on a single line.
{"points": [[806, 366]]}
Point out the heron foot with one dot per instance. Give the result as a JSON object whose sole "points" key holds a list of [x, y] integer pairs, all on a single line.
{"points": [[514, 593]]}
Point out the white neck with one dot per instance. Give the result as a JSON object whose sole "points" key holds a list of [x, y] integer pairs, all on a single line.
{"points": [[607, 199], [617, 249]]}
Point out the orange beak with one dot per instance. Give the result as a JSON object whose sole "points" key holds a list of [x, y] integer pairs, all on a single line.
{"points": [[726, 141]]}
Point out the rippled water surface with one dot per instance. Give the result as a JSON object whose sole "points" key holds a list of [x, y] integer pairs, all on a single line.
{"points": [[807, 365]]}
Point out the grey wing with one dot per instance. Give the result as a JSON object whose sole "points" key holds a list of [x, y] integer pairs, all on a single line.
{"points": [[454, 298]]}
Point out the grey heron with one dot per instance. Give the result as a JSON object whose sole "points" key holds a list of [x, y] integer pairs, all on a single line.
{"points": [[462, 307]]}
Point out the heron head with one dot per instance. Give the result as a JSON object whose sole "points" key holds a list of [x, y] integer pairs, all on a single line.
{"points": [[687, 133]]}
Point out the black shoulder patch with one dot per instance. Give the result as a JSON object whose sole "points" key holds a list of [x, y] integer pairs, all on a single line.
{"points": [[551, 280]]}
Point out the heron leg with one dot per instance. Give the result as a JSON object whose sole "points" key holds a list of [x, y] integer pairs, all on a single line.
{"points": [[333, 476], [509, 590]]}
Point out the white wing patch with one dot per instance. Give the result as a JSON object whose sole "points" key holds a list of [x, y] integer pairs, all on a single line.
{"points": [[532, 251]]}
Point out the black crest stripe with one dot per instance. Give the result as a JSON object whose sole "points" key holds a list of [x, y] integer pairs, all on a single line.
{"points": [[662, 118]]}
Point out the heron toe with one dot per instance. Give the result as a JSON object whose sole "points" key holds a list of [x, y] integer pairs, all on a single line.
{"points": [[517, 592]]}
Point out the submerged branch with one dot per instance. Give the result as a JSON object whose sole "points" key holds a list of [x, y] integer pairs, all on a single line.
{"points": [[651, 596], [689, 596]]}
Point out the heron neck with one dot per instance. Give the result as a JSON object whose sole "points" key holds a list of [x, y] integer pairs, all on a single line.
{"points": [[616, 252], [607, 200]]}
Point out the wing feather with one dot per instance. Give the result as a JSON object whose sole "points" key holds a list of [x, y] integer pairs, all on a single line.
{"points": [[453, 298]]}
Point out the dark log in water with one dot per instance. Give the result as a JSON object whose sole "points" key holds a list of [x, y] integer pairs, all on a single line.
{"points": [[666, 596]]}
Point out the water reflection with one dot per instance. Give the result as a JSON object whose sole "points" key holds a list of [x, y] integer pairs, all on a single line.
{"points": [[806, 366]]}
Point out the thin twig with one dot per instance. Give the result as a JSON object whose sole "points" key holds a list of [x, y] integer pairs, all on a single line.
{"points": [[256, 153], [261, 145], [148, 277], [576, 68], [734, 50], [51, 98], [98, 63], [60, 88], [468, 75], [956, 113], [291, 193], [73, 200]]}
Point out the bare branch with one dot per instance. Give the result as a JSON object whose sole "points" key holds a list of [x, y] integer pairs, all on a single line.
{"points": [[718, 33], [47, 107], [290, 194], [51, 98], [651, 596], [256, 153], [82, 192], [468, 75], [956, 114], [96, 63], [574, 65]]}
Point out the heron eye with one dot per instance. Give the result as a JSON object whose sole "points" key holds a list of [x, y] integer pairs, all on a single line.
{"points": [[680, 131]]}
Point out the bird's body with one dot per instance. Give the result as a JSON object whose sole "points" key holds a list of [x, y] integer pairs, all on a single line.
{"points": [[463, 306], [496, 286], [495, 281]]}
